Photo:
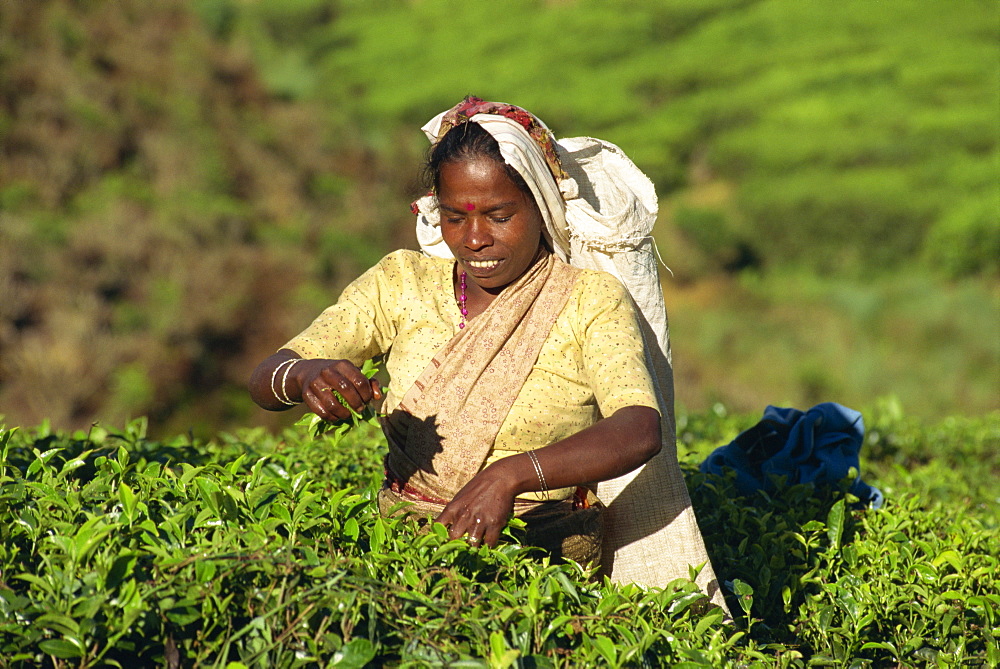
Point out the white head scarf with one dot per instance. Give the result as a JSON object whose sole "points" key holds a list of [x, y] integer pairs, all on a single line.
{"points": [[599, 210]]}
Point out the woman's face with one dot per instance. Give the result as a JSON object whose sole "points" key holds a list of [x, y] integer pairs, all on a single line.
{"points": [[493, 228]]}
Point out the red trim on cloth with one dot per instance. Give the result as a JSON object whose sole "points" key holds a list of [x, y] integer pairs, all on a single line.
{"points": [[401, 487]]}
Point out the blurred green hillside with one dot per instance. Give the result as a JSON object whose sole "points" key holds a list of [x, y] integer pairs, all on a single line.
{"points": [[184, 185]]}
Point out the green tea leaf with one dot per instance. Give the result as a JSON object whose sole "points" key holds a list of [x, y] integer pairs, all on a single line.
{"points": [[351, 529], [835, 524], [744, 591], [128, 500], [355, 654], [377, 538], [501, 656], [60, 648], [606, 648], [567, 586]]}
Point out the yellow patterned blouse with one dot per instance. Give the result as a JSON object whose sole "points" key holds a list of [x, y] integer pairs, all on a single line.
{"points": [[591, 364]]}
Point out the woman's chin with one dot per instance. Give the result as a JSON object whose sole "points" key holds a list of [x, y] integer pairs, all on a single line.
{"points": [[493, 285]]}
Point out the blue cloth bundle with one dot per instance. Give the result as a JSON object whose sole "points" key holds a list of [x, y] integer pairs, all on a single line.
{"points": [[818, 446]]}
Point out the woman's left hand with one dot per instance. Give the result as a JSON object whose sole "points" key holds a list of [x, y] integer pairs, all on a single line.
{"points": [[482, 508]]}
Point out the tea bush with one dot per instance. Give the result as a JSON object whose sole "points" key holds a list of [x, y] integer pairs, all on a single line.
{"points": [[261, 550]]}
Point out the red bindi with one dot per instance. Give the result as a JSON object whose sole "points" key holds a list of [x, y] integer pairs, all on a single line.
{"points": [[469, 206]]}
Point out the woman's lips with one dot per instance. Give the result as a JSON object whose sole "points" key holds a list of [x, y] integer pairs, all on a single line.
{"points": [[482, 267]]}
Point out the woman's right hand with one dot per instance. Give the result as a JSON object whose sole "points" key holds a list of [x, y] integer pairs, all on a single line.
{"points": [[319, 379]]}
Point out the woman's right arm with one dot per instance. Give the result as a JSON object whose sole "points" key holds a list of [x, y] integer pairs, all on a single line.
{"points": [[361, 325], [284, 379]]}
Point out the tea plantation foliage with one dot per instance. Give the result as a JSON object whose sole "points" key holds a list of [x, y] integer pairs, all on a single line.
{"points": [[261, 550]]}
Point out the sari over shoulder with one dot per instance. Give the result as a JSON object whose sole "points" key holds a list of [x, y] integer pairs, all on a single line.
{"points": [[443, 430]]}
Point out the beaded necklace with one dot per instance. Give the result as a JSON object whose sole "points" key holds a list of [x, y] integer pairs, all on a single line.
{"points": [[461, 301]]}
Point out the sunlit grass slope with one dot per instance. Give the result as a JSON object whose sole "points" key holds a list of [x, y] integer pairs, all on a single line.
{"points": [[185, 184], [841, 156], [792, 339], [849, 129]]}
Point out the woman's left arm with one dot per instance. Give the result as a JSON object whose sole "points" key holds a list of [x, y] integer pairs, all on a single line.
{"points": [[609, 448], [614, 363]]}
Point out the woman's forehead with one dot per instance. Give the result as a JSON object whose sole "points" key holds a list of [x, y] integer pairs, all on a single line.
{"points": [[480, 175]]}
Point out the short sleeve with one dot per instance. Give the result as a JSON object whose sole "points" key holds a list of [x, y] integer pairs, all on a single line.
{"points": [[357, 327], [613, 350]]}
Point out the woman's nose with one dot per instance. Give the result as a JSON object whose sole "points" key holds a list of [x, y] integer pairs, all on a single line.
{"points": [[477, 235]]}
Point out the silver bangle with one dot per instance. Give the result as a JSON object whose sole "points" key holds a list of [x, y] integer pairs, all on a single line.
{"points": [[538, 471], [284, 380], [274, 375]]}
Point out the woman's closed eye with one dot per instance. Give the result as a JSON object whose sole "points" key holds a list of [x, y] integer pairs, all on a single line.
{"points": [[493, 218]]}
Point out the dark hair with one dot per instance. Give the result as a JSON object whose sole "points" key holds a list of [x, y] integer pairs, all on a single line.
{"points": [[465, 142]]}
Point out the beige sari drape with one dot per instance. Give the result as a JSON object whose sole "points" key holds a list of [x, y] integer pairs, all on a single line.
{"points": [[444, 428]]}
